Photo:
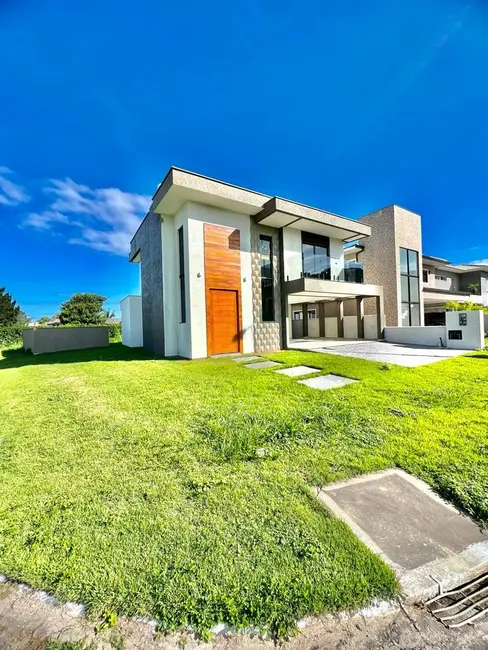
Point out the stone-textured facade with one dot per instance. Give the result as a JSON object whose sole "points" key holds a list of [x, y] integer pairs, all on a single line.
{"points": [[148, 242], [267, 335], [393, 228]]}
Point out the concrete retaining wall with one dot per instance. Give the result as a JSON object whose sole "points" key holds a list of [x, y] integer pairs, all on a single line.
{"points": [[56, 339]]}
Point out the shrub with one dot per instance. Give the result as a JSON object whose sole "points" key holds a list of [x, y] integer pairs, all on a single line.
{"points": [[115, 331], [11, 336]]}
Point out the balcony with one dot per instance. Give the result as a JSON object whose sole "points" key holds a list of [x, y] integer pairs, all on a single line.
{"points": [[320, 267]]}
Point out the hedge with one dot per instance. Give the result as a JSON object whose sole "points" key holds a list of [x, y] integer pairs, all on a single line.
{"points": [[11, 335]]}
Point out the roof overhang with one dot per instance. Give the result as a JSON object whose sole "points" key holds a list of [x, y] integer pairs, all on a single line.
{"points": [[279, 213], [181, 186], [314, 290]]}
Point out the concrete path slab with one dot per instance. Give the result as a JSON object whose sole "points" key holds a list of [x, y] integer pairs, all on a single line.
{"points": [[263, 364], [250, 358], [297, 371], [326, 382], [419, 534], [226, 354], [409, 356]]}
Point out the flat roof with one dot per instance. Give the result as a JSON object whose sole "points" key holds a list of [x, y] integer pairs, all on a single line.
{"points": [[180, 186]]}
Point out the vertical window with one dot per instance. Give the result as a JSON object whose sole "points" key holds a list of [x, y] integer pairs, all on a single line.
{"points": [[267, 293], [425, 275], [410, 289], [181, 251]]}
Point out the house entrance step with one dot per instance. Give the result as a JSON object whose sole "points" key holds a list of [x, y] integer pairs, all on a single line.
{"points": [[297, 371], [263, 364]]}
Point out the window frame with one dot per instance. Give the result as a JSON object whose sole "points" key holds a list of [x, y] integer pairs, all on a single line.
{"points": [[181, 259], [268, 311], [410, 274]]}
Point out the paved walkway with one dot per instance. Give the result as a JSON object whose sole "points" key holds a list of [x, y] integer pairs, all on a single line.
{"points": [[409, 356]]}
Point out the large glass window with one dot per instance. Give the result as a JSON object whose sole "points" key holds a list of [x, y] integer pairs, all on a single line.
{"points": [[267, 293], [315, 256], [409, 287], [181, 252]]}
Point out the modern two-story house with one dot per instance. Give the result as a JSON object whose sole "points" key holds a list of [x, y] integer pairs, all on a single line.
{"points": [[444, 282], [226, 269]]}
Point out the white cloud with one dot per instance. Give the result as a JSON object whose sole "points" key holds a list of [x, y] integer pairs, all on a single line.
{"points": [[11, 193], [480, 262], [103, 219]]}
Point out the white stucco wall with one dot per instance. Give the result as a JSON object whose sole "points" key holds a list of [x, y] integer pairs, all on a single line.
{"points": [[197, 215], [183, 334], [331, 327], [292, 253], [313, 328], [170, 285], [131, 312], [370, 327], [350, 327]]}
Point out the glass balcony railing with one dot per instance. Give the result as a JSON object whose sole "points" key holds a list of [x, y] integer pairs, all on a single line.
{"points": [[334, 269]]}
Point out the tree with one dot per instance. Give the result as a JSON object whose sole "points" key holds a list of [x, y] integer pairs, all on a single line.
{"points": [[22, 318], [109, 313], [9, 310], [43, 320], [83, 309], [474, 288]]}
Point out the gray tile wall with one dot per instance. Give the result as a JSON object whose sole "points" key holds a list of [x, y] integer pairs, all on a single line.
{"points": [[149, 241], [267, 335]]}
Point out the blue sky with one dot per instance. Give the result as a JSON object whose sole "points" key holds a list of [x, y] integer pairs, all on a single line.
{"points": [[348, 106]]}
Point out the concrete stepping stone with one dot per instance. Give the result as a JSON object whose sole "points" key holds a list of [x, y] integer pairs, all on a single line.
{"points": [[297, 371], [326, 382], [240, 359], [227, 354], [263, 364]]}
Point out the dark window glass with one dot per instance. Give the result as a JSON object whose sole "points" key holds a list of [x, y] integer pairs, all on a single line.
{"points": [[181, 251], [267, 292], [315, 256], [403, 260], [425, 275], [410, 289], [413, 263], [414, 290]]}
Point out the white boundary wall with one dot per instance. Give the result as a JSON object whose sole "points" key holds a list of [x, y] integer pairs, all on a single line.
{"points": [[471, 333], [131, 312], [434, 336]]}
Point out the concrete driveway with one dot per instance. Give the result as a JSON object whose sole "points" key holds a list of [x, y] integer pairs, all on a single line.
{"points": [[410, 356]]}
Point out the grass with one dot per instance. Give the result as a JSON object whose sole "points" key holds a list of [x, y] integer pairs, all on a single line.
{"points": [[179, 490]]}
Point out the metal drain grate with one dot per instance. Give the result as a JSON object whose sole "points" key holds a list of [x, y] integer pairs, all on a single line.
{"points": [[461, 606]]}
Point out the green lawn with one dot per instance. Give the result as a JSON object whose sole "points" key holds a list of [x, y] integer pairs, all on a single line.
{"points": [[133, 484]]}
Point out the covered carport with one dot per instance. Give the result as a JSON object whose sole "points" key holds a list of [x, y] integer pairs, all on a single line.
{"points": [[328, 310]]}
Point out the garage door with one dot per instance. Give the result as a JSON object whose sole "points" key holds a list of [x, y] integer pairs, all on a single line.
{"points": [[223, 321]]}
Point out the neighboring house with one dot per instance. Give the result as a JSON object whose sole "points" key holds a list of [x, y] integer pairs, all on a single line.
{"points": [[113, 321], [444, 282], [225, 269], [54, 322]]}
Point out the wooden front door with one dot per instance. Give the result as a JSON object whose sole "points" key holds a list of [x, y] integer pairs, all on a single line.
{"points": [[223, 321]]}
